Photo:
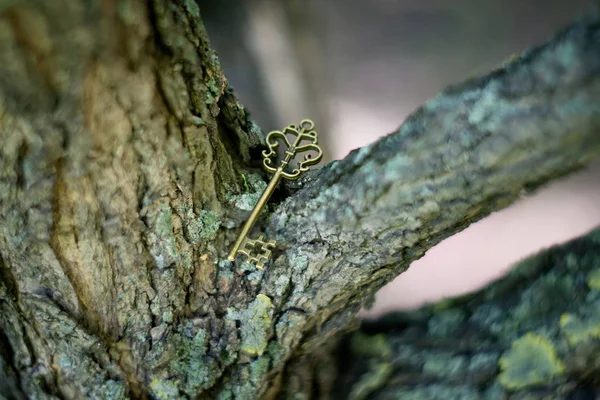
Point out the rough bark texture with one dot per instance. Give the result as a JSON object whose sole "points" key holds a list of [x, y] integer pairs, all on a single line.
{"points": [[534, 334], [121, 149]]}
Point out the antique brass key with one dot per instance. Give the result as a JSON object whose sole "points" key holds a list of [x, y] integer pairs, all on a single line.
{"points": [[257, 250]]}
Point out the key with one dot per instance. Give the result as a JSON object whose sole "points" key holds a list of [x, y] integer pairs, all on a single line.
{"points": [[259, 250]]}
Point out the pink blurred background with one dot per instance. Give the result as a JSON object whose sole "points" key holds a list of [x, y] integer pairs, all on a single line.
{"points": [[360, 67]]}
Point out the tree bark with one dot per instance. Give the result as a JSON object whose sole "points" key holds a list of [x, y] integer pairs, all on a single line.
{"points": [[533, 334], [121, 153]]}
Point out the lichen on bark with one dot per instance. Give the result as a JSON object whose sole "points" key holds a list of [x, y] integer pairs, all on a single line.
{"points": [[529, 335]]}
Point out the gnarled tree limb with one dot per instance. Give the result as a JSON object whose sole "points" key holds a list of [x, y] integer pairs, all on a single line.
{"points": [[473, 149], [533, 334]]}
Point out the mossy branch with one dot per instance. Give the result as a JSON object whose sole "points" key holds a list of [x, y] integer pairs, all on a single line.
{"points": [[473, 149], [534, 334]]}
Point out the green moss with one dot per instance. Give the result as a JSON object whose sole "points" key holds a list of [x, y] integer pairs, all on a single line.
{"points": [[444, 365], [250, 379], [594, 236], [213, 93], [549, 295], [224, 269], [259, 369], [255, 186], [299, 261], [593, 279], [165, 390], [482, 361], [410, 355], [446, 322], [215, 59], [287, 335], [225, 394], [371, 381], [113, 390], [443, 304], [247, 267], [281, 284], [196, 120], [167, 317], [370, 345], [255, 277], [494, 392], [192, 8], [246, 187], [277, 352], [434, 391], [531, 361], [512, 59], [210, 223], [195, 370], [255, 323], [209, 98], [204, 227], [125, 11], [161, 237], [578, 331], [164, 221], [490, 317], [212, 86]]}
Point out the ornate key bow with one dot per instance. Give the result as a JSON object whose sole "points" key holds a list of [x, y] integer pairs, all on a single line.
{"points": [[305, 139]]}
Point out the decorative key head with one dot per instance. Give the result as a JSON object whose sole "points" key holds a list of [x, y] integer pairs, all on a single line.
{"points": [[257, 251], [305, 141]]}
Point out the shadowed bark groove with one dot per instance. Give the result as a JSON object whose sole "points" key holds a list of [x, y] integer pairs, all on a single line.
{"points": [[121, 146]]}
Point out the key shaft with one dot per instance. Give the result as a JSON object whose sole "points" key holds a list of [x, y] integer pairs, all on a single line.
{"points": [[255, 213]]}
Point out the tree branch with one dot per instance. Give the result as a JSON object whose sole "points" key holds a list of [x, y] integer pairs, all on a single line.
{"points": [[532, 334], [473, 149]]}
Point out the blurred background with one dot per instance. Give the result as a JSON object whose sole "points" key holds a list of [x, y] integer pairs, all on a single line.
{"points": [[358, 68]]}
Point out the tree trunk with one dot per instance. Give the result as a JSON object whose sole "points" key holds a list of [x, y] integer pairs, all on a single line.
{"points": [[122, 150]]}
